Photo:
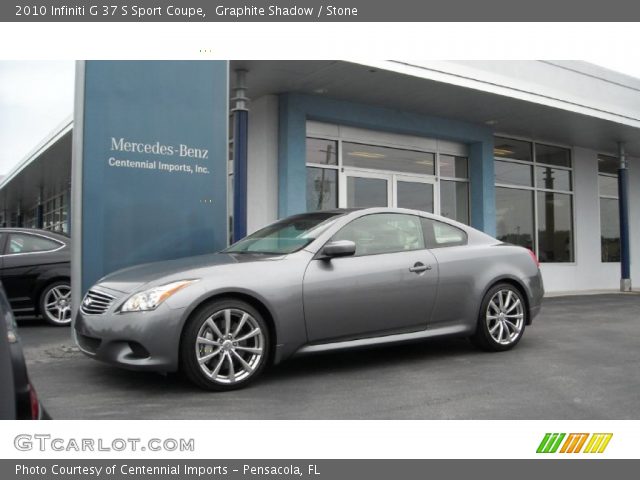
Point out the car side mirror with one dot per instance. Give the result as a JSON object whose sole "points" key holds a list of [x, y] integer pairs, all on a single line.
{"points": [[339, 248]]}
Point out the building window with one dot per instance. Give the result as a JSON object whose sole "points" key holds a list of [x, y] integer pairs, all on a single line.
{"points": [[534, 198], [375, 175], [373, 157], [609, 213], [514, 216], [322, 189], [322, 174], [55, 214], [454, 187], [30, 218]]}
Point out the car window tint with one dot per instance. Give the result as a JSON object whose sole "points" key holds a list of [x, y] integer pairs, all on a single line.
{"points": [[25, 243], [440, 234], [383, 233], [286, 236]]}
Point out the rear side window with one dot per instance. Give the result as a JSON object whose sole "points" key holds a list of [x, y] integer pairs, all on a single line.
{"points": [[383, 233], [439, 234], [26, 243]]}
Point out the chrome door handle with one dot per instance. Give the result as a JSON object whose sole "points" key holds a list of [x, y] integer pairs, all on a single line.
{"points": [[419, 268]]}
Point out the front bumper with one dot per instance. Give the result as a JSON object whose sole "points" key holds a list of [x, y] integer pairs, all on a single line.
{"points": [[136, 340]]}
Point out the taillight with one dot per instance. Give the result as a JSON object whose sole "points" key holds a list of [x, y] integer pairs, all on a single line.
{"points": [[533, 256], [35, 404]]}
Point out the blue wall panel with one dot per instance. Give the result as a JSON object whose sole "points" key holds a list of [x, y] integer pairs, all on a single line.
{"points": [[131, 214]]}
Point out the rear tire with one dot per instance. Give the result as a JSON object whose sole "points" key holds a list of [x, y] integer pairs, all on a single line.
{"points": [[55, 303], [224, 346], [501, 320]]}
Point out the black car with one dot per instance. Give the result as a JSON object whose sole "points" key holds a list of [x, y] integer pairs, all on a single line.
{"points": [[18, 398], [35, 270]]}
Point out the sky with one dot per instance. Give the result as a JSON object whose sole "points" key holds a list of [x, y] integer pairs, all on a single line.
{"points": [[36, 96]]}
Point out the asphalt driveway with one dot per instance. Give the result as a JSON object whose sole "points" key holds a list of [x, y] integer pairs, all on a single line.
{"points": [[580, 360]]}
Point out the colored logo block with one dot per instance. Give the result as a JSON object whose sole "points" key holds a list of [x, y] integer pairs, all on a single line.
{"points": [[574, 443]]}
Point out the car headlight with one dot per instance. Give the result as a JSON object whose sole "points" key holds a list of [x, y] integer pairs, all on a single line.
{"points": [[152, 298]]}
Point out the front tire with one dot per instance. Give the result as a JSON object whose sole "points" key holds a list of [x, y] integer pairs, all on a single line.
{"points": [[55, 303], [224, 346], [502, 319]]}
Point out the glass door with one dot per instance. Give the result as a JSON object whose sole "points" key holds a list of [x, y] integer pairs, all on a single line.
{"points": [[365, 189], [416, 193]]}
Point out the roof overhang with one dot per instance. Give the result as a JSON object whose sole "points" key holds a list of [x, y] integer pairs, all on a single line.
{"points": [[44, 172], [459, 91]]}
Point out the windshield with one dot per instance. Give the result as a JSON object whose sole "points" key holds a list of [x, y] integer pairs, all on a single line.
{"points": [[286, 236]]}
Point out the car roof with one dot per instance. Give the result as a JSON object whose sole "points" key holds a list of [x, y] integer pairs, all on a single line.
{"points": [[37, 231], [360, 211], [409, 211]]}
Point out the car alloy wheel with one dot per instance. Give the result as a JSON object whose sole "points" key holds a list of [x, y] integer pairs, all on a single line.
{"points": [[505, 317], [225, 346], [502, 319], [56, 304]]}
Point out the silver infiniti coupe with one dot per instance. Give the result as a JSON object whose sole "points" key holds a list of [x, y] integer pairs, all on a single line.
{"points": [[311, 283]]}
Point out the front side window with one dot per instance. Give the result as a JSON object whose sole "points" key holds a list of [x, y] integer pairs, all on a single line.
{"points": [[286, 236], [383, 233], [609, 211], [534, 197], [26, 243]]}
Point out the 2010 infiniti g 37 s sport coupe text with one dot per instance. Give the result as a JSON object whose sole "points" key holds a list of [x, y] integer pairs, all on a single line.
{"points": [[309, 283]]}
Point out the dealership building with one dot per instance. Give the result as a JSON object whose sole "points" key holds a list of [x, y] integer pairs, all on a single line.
{"points": [[528, 151]]}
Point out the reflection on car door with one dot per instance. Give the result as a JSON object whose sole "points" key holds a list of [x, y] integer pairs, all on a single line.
{"points": [[388, 286]]}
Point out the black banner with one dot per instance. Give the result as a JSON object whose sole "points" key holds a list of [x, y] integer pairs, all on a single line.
{"points": [[318, 10], [317, 469]]}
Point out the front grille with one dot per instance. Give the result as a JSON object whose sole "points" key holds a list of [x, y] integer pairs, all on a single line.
{"points": [[95, 303]]}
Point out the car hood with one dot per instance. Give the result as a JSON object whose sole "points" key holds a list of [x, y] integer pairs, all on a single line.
{"points": [[132, 278]]}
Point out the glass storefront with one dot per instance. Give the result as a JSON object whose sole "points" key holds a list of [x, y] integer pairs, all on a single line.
{"points": [[346, 172], [534, 197], [55, 213], [322, 189], [514, 216]]}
